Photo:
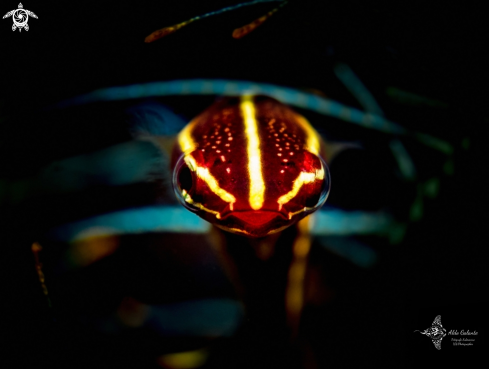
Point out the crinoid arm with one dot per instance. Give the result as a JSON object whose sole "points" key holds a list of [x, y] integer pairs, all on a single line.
{"points": [[239, 31], [31, 14], [167, 30], [9, 14], [36, 248], [250, 27]]}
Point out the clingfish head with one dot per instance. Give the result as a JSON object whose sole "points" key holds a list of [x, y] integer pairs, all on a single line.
{"points": [[251, 166]]}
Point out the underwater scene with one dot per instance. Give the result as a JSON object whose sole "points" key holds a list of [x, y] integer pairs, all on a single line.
{"points": [[225, 184]]}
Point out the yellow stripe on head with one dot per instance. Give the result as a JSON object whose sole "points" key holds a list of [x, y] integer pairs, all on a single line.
{"points": [[257, 185], [189, 199], [301, 180], [185, 140], [208, 178], [312, 139]]}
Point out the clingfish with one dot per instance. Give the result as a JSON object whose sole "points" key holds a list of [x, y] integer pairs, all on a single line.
{"points": [[250, 165]]}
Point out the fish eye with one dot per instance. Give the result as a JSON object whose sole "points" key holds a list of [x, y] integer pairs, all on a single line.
{"points": [[315, 200], [184, 179], [183, 183]]}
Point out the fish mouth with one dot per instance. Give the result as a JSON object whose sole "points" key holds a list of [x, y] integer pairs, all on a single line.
{"points": [[256, 218], [254, 223]]}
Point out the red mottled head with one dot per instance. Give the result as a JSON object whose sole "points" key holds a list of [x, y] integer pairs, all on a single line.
{"points": [[250, 165]]}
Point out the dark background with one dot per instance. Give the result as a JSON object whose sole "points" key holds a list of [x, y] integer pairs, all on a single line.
{"points": [[425, 48]]}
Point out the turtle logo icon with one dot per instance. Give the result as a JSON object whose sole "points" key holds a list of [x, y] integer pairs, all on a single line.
{"points": [[20, 17], [436, 332]]}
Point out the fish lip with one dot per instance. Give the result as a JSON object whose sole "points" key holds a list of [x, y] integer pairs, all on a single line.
{"points": [[246, 214], [249, 223], [255, 234]]}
